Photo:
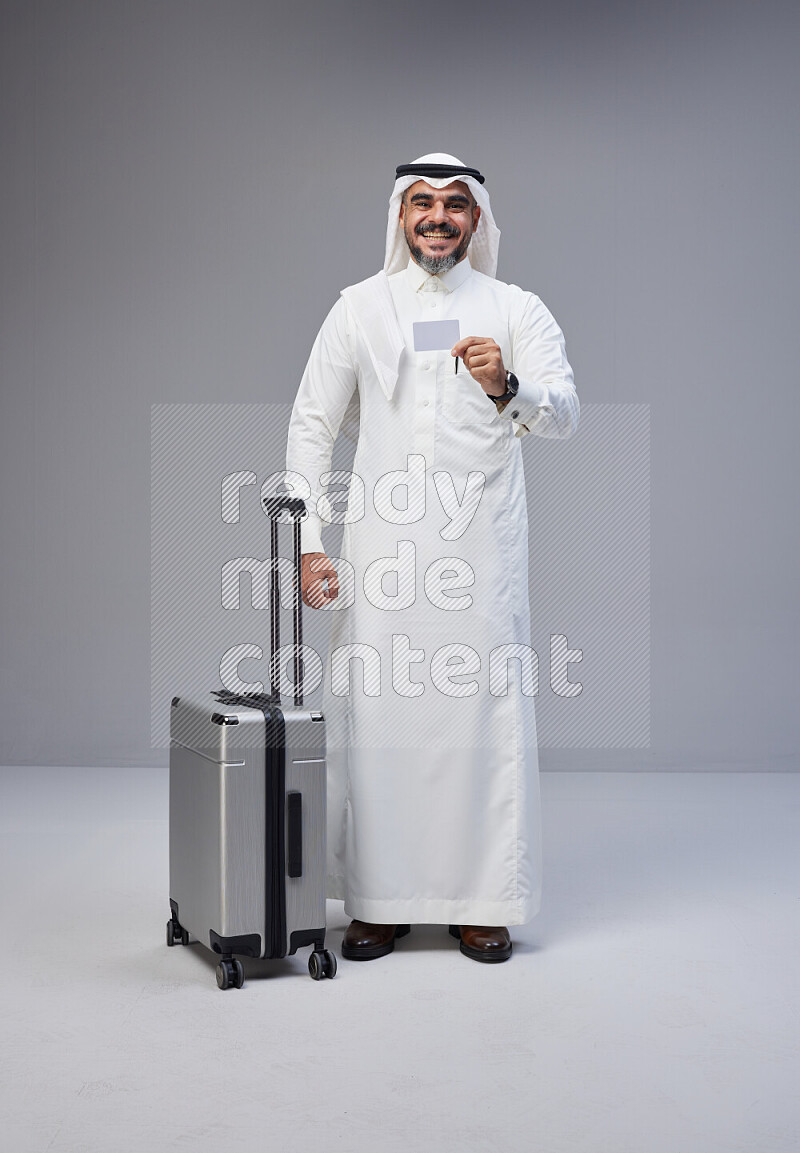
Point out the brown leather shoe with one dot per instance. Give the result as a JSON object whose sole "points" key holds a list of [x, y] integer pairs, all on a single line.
{"points": [[483, 943], [365, 942]]}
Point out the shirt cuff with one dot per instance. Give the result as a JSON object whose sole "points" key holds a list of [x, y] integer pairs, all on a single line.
{"points": [[310, 529], [527, 404]]}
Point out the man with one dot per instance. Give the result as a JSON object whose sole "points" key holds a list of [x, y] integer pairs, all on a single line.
{"points": [[433, 803]]}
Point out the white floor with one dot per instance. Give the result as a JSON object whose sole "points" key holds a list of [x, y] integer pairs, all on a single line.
{"points": [[651, 1008]]}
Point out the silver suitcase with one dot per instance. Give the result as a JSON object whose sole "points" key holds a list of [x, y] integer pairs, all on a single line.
{"points": [[247, 788]]}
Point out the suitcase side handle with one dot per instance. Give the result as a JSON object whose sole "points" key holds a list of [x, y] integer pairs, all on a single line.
{"points": [[294, 833]]}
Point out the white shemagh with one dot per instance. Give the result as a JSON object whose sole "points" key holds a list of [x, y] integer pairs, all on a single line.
{"points": [[482, 251], [370, 302]]}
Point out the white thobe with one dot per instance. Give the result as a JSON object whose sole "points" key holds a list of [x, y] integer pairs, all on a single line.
{"points": [[433, 792]]}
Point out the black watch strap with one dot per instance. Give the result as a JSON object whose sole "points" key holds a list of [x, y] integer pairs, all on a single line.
{"points": [[512, 388]]}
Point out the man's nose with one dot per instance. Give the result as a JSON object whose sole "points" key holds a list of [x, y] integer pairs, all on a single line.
{"points": [[438, 212]]}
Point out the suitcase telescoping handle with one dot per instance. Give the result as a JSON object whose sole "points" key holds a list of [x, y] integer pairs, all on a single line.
{"points": [[275, 507]]}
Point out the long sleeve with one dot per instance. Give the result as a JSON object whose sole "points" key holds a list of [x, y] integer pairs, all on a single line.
{"points": [[325, 390], [547, 403]]}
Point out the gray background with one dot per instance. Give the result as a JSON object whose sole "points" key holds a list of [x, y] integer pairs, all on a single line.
{"points": [[187, 186]]}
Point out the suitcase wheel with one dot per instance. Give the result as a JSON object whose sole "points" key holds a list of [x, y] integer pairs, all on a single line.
{"points": [[322, 964], [176, 934], [230, 974]]}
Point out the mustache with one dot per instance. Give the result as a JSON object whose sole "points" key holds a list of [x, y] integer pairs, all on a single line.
{"points": [[439, 229]]}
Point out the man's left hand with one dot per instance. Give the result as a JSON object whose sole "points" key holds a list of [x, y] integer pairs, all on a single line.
{"points": [[483, 360]]}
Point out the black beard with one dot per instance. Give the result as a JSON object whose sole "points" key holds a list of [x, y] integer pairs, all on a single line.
{"points": [[434, 264], [438, 264]]}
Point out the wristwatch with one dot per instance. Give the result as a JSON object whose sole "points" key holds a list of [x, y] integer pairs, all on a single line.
{"points": [[512, 388]]}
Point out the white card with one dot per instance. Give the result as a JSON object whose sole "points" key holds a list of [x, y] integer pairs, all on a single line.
{"points": [[433, 335]]}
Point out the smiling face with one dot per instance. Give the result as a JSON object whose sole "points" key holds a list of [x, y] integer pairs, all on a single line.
{"points": [[438, 224]]}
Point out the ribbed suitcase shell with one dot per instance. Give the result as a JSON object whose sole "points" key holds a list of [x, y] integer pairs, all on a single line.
{"points": [[247, 811], [226, 872]]}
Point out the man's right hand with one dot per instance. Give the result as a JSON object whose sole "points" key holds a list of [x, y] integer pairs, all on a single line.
{"points": [[315, 569]]}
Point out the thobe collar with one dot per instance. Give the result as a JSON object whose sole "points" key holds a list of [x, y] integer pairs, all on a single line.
{"points": [[422, 281]]}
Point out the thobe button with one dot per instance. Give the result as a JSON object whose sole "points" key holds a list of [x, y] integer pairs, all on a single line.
{"points": [[515, 414], [426, 403], [426, 365]]}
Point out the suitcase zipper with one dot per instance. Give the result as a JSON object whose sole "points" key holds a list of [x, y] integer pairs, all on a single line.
{"points": [[275, 821]]}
